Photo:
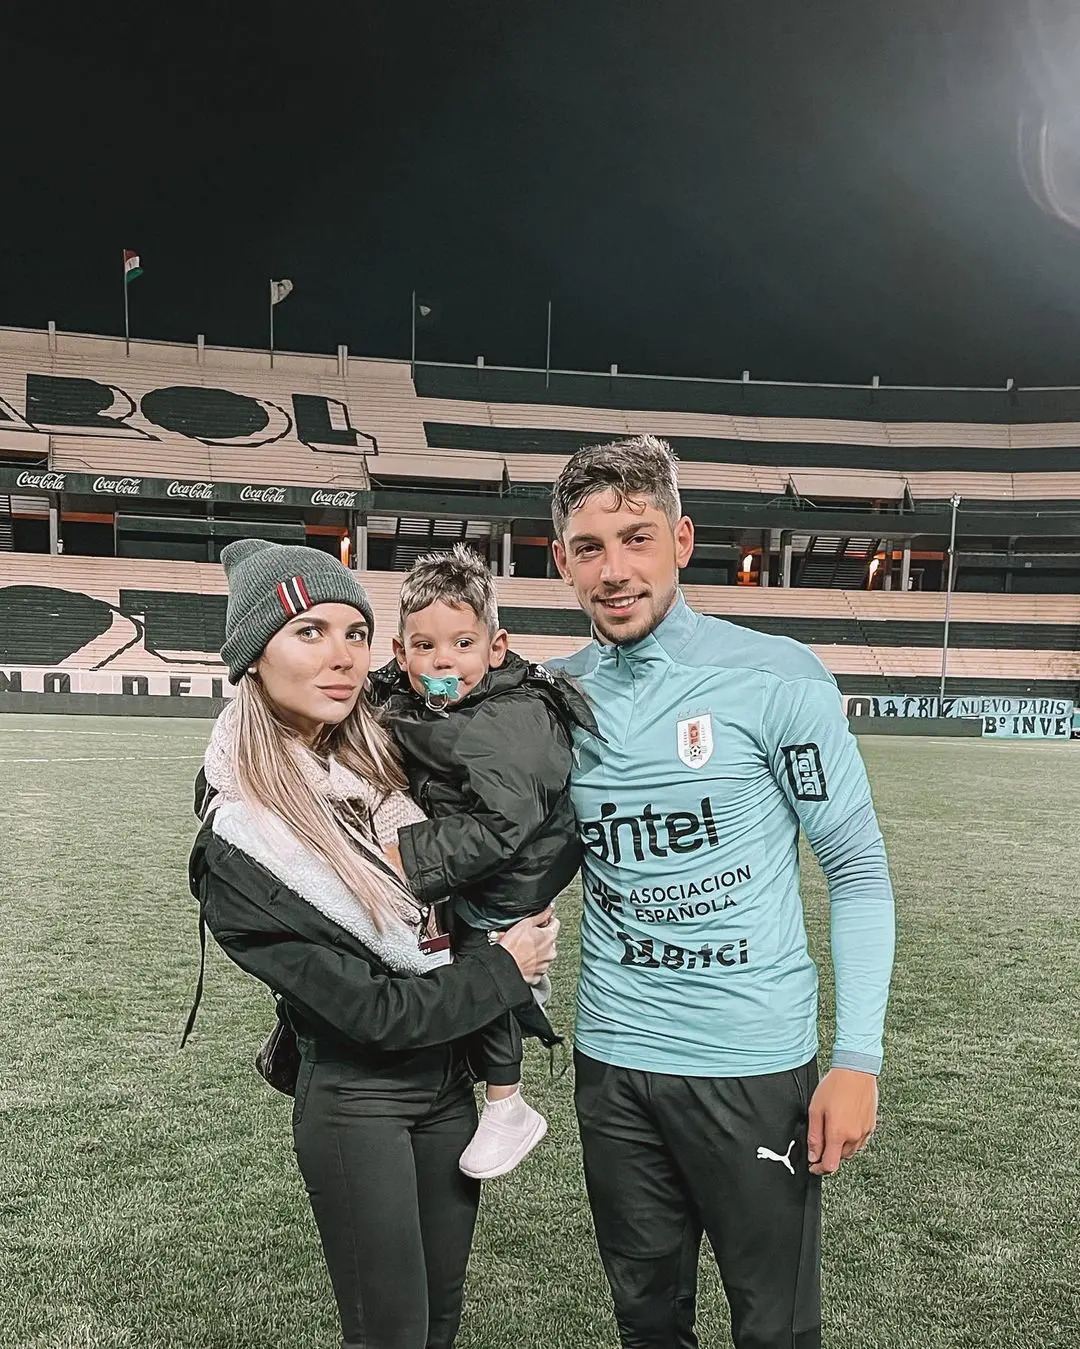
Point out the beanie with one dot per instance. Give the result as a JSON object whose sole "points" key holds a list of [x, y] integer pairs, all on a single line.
{"points": [[269, 583]]}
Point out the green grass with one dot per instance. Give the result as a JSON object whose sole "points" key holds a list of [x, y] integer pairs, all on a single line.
{"points": [[149, 1197]]}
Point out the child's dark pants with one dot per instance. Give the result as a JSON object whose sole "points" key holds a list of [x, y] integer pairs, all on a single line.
{"points": [[493, 1053]]}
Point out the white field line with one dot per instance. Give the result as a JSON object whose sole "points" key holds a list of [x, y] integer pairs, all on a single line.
{"points": [[112, 758], [44, 730]]}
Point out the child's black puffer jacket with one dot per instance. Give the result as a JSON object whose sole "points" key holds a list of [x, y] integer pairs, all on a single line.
{"points": [[493, 775]]}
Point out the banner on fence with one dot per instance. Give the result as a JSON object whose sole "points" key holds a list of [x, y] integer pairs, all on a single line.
{"points": [[1029, 718]]}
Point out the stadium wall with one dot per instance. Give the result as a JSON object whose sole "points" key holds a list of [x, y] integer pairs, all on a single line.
{"points": [[125, 635], [171, 452]]}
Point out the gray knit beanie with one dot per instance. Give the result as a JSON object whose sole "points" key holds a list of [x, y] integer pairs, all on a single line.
{"points": [[269, 583]]}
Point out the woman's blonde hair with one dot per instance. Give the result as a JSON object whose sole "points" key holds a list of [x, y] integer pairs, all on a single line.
{"points": [[269, 775]]}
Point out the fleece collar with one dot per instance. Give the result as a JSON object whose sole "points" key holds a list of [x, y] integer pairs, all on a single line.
{"points": [[331, 779], [266, 839]]}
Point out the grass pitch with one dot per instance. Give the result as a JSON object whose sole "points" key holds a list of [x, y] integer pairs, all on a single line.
{"points": [[149, 1197]]}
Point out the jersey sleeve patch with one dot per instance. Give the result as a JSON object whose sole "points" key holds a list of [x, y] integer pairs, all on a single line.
{"points": [[805, 773]]}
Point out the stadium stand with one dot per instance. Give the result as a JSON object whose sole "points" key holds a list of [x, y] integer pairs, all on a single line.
{"points": [[823, 512], [106, 613]]}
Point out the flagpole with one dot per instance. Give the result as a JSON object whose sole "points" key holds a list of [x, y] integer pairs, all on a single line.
{"points": [[271, 290], [948, 606], [412, 358], [547, 365], [127, 320]]}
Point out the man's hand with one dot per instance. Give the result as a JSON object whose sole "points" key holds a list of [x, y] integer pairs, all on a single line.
{"points": [[843, 1113], [531, 942]]}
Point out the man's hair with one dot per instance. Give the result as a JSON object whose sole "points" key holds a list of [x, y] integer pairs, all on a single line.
{"points": [[643, 466], [458, 577]]}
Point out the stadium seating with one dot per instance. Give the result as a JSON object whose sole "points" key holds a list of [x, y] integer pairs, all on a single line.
{"points": [[759, 456], [477, 441], [128, 615]]}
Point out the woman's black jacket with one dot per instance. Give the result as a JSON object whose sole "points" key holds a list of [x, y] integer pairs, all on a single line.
{"points": [[334, 988]]}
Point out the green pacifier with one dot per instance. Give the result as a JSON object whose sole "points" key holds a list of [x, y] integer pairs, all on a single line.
{"points": [[439, 692]]}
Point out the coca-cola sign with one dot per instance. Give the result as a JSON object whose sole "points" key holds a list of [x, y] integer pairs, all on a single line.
{"points": [[123, 487], [342, 500], [191, 491], [267, 496], [44, 482], [180, 490]]}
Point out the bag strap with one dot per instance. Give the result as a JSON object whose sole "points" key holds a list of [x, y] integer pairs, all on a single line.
{"points": [[199, 986]]}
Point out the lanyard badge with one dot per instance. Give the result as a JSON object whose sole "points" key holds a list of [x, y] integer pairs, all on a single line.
{"points": [[432, 942]]}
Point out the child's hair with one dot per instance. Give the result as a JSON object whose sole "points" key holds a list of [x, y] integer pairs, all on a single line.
{"points": [[459, 577]]}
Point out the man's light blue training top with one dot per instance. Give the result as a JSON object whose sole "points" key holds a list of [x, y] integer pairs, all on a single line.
{"points": [[718, 742]]}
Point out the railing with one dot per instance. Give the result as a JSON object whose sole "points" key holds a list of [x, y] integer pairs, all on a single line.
{"points": [[1009, 387], [806, 509], [875, 384], [449, 487]]}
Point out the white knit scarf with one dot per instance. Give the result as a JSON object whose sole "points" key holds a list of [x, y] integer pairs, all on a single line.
{"points": [[268, 840]]}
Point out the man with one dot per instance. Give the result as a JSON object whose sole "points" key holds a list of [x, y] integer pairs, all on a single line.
{"points": [[697, 1088]]}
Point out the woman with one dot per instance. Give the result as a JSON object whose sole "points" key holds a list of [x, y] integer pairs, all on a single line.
{"points": [[303, 792]]}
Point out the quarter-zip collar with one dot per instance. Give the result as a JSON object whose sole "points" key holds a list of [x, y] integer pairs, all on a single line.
{"points": [[663, 645]]}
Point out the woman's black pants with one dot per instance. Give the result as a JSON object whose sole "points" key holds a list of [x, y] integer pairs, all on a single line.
{"points": [[378, 1149]]}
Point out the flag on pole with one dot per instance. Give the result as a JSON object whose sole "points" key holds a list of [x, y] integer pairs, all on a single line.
{"points": [[131, 269], [279, 290], [425, 314]]}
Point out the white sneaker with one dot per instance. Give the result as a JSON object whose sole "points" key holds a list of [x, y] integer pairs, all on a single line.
{"points": [[507, 1132]]}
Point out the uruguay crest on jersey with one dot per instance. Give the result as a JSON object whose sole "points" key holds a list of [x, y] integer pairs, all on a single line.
{"points": [[695, 740]]}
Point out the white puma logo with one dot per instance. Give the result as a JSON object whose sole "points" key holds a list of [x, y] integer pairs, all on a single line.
{"points": [[767, 1155]]}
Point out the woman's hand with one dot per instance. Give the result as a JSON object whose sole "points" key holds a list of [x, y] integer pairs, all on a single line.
{"points": [[392, 853], [532, 943]]}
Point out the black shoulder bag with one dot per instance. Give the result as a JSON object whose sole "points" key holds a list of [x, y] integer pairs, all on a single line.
{"points": [[278, 1057]]}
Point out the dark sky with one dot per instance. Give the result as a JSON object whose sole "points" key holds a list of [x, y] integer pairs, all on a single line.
{"points": [[813, 189]]}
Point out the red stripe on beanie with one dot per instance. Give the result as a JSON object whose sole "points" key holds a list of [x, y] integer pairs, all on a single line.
{"points": [[287, 602], [303, 591]]}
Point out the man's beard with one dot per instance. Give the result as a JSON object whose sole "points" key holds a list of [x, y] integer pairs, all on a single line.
{"points": [[658, 610]]}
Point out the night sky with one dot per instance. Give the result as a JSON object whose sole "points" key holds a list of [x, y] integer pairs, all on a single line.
{"points": [[811, 189]]}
